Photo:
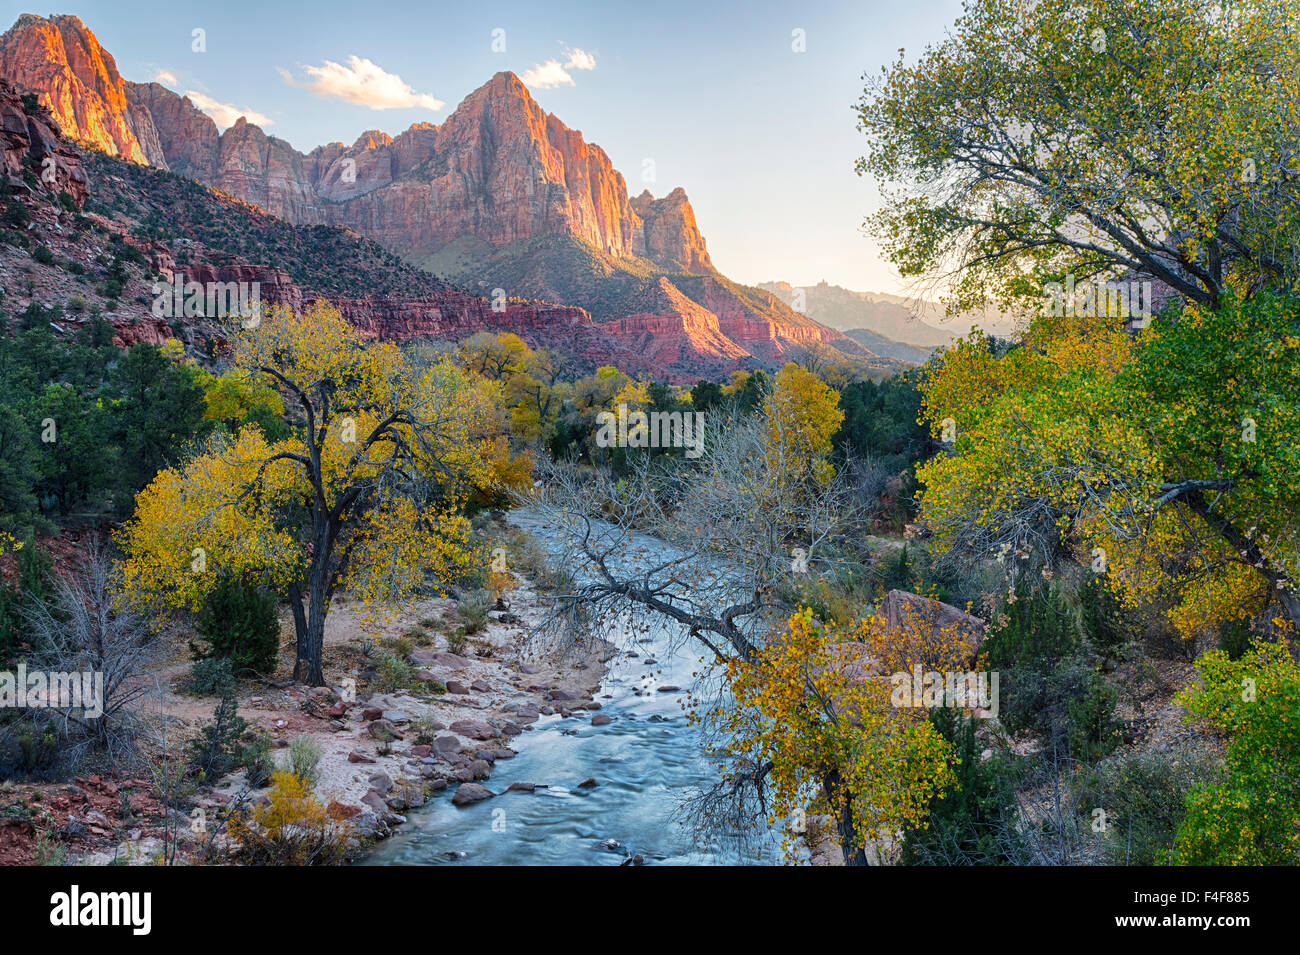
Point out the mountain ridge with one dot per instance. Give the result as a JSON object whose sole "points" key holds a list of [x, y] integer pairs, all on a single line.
{"points": [[471, 199]]}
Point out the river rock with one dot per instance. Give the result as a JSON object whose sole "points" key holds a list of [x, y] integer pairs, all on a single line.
{"points": [[450, 660], [384, 731], [600, 719], [468, 793], [473, 729], [446, 745]]}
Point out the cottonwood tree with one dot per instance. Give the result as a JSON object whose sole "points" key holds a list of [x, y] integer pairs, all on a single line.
{"points": [[366, 494], [1111, 138], [1092, 137], [1165, 463]]}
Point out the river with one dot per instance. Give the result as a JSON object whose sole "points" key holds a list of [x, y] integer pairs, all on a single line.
{"points": [[644, 768]]}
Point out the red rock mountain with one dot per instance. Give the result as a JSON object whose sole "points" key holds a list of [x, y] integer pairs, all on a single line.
{"points": [[501, 195]]}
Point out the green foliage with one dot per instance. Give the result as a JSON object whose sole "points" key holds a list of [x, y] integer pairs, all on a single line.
{"points": [[706, 395], [82, 427], [973, 821], [240, 624], [304, 760], [1049, 686], [1235, 638], [1040, 626], [472, 610], [881, 421], [1107, 624], [30, 588], [217, 749], [257, 762], [212, 676], [1143, 795], [1250, 814]]}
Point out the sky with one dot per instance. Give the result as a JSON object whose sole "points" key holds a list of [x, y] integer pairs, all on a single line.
{"points": [[715, 97]]}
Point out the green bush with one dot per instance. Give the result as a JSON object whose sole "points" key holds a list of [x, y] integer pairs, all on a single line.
{"points": [[973, 821], [1143, 795], [304, 760], [1107, 624], [257, 761], [1250, 813], [1049, 686], [213, 676], [217, 749], [1041, 628], [240, 624], [472, 609]]}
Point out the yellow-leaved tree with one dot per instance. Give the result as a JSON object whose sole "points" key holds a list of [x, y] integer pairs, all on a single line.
{"points": [[366, 493]]}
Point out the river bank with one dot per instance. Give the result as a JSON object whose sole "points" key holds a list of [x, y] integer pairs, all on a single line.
{"points": [[383, 752]]}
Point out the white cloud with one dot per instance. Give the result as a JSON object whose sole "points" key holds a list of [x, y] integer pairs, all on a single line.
{"points": [[165, 77], [225, 114], [364, 83], [544, 76]]}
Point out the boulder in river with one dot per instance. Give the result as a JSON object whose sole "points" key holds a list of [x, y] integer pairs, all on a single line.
{"points": [[468, 793]]}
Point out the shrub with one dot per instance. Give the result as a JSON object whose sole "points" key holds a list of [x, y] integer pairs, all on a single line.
{"points": [[1034, 627], [43, 255], [1106, 622], [212, 677], [304, 760], [292, 828], [394, 672], [457, 642], [217, 750], [257, 761], [1250, 814], [1144, 797], [472, 609], [973, 821], [1235, 638], [239, 623]]}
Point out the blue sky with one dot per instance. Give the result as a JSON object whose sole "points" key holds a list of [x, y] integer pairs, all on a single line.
{"points": [[762, 138]]}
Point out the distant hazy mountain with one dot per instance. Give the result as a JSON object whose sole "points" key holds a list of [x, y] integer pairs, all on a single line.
{"points": [[903, 321]]}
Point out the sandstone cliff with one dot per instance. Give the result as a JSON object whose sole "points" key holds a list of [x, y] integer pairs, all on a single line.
{"points": [[523, 202]]}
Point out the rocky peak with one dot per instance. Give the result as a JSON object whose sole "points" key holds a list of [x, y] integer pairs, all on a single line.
{"points": [[77, 80], [670, 235]]}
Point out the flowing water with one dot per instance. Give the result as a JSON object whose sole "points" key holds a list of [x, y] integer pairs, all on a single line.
{"points": [[644, 769]]}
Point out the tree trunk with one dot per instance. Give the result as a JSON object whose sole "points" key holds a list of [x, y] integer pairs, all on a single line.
{"points": [[842, 806], [301, 652], [317, 604]]}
